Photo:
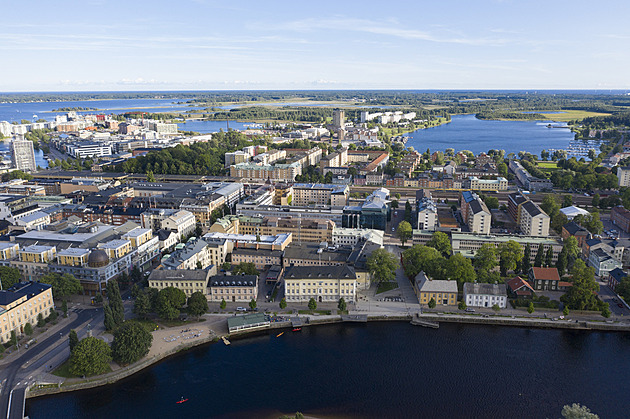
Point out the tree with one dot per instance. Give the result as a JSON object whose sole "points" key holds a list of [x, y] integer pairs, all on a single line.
{"points": [[91, 356], [174, 296], [562, 262], [64, 308], [432, 303], [549, 257], [595, 200], [28, 329], [462, 305], [136, 274], [40, 320], [382, 265], [247, 268], [108, 321], [404, 232], [312, 304], [131, 342], [9, 276], [575, 411], [565, 311], [530, 308], [13, 339], [150, 176], [486, 258], [510, 255], [419, 258], [394, 204], [197, 304], [460, 269], [283, 303], [342, 304], [62, 285], [525, 264], [115, 302], [252, 304], [223, 304], [73, 340], [581, 296], [567, 201], [572, 250], [606, 310], [538, 261], [492, 202], [440, 242], [496, 308], [593, 223]]}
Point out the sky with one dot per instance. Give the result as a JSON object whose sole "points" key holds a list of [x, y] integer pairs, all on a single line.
{"points": [[111, 45]]}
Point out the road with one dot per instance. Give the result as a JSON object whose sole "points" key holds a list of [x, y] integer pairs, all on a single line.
{"points": [[18, 373]]}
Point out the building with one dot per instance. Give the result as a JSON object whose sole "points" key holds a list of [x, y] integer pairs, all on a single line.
{"points": [[533, 220], [485, 295], [572, 211], [233, 288], [322, 283], [623, 174], [621, 218], [23, 155], [546, 279], [85, 149], [338, 119], [372, 214], [8, 250], [181, 222], [474, 183], [260, 258], [615, 277], [276, 173], [515, 203], [519, 288], [302, 229], [468, 244], [22, 304], [442, 292], [573, 229], [195, 254], [427, 211], [252, 241], [187, 280], [320, 194], [352, 236], [602, 261], [247, 322], [478, 216], [527, 180]]}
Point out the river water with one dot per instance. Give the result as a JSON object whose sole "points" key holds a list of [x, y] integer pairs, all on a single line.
{"points": [[375, 370], [465, 132]]}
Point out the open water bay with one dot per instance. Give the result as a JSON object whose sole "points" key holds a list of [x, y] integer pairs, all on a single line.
{"points": [[375, 370]]}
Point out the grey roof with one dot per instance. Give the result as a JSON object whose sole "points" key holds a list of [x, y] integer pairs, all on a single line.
{"points": [[532, 208], [179, 275], [320, 272], [485, 289], [233, 281], [257, 252], [185, 253], [309, 251], [17, 291], [478, 206], [246, 320], [573, 228], [425, 284]]}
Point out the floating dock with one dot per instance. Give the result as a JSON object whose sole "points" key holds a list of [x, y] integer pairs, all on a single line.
{"points": [[416, 321], [354, 318], [224, 339]]}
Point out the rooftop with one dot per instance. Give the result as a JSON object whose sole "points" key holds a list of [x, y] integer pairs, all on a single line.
{"points": [[21, 289], [486, 289], [548, 274], [320, 272], [425, 284]]}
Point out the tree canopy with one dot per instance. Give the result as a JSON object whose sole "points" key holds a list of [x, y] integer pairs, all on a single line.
{"points": [[382, 265], [247, 268], [581, 296], [62, 285], [131, 342], [91, 356], [440, 242], [404, 232], [197, 304]]}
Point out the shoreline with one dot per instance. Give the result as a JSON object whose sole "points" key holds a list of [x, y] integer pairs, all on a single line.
{"points": [[125, 372]]}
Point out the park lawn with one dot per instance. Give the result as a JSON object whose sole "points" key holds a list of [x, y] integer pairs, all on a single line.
{"points": [[571, 114], [547, 164], [386, 286], [64, 370], [147, 324]]}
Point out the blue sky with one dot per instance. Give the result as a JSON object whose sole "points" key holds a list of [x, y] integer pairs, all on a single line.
{"points": [[207, 44]]}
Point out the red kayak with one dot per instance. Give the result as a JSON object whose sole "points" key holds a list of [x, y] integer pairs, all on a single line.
{"points": [[297, 329], [182, 401]]}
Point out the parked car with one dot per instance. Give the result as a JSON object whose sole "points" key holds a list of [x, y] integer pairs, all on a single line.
{"points": [[470, 310], [241, 309]]}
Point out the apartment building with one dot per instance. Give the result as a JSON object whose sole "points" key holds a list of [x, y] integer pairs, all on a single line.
{"points": [[233, 288], [322, 283], [320, 194], [485, 295], [187, 280], [277, 173], [533, 220], [479, 218], [468, 244], [623, 174], [193, 255], [22, 304]]}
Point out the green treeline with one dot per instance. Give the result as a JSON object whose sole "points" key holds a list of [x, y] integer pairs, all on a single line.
{"points": [[203, 158], [510, 115]]}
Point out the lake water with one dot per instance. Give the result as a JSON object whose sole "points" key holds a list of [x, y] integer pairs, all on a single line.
{"points": [[465, 132], [375, 370]]}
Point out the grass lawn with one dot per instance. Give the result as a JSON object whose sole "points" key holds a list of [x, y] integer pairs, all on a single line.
{"points": [[547, 164], [571, 114], [386, 286], [324, 312], [148, 324], [64, 370]]}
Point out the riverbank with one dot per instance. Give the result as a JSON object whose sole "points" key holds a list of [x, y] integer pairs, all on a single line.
{"points": [[162, 351]]}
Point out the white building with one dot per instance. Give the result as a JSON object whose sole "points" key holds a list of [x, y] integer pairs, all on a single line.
{"points": [[533, 220], [182, 222], [23, 155], [89, 149], [351, 236], [485, 295]]}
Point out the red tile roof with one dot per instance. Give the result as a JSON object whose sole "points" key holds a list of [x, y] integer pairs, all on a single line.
{"points": [[547, 274], [517, 283]]}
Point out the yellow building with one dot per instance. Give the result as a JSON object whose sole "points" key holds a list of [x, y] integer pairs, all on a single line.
{"points": [[442, 292], [38, 254], [8, 250], [233, 288], [116, 249], [73, 257], [187, 280], [21, 304], [322, 283], [138, 236]]}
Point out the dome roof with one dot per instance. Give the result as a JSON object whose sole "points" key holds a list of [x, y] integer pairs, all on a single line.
{"points": [[98, 258]]}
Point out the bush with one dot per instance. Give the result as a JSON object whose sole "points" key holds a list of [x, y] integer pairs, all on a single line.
{"points": [[28, 329], [461, 305]]}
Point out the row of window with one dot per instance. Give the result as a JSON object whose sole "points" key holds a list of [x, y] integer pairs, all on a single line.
{"points": [[313, 291]]}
